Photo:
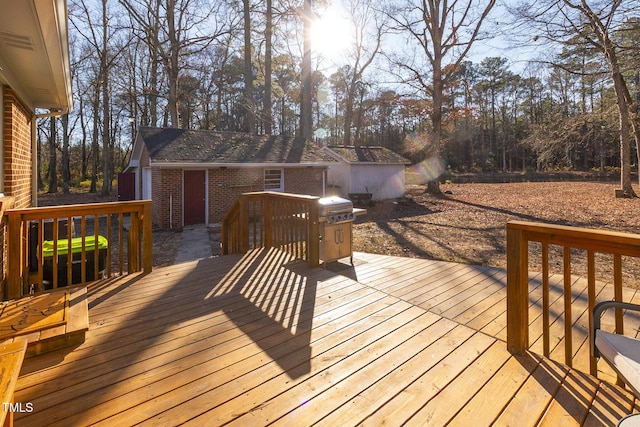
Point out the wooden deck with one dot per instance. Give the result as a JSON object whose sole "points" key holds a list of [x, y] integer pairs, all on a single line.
{"points": [[260, 340]]}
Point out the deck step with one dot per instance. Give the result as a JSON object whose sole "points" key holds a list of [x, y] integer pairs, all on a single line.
{"points": [[47, 321]]}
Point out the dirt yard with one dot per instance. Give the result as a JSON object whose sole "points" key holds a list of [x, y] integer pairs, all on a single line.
{"points": [[467, 225]]}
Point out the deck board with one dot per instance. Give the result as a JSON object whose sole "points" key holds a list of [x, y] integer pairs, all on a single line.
{"points": [[261, 339]]}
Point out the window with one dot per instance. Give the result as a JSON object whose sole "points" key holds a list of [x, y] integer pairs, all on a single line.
{"points": [[273, 180]]}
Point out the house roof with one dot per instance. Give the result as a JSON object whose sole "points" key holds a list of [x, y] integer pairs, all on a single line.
{"points": [[182, 146], [373, 154], [34, 52]]}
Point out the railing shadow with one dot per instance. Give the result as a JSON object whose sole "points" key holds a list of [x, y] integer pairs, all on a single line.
{"points": [[280, 306]]}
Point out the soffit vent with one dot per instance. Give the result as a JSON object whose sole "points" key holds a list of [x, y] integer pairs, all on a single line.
{"points": [[17, 41]]}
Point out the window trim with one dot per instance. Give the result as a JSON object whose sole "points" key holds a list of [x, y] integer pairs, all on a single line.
{"points": [[280, 179]]}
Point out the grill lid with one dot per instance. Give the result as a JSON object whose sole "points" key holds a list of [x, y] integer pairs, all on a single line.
{"points": [[334, 205]]}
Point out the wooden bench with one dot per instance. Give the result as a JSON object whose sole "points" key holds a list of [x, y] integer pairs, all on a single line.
{"points": [[620, 351], [11, 357]]}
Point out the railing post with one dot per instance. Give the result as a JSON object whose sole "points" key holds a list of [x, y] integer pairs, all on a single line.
{"points": [[243, 224], [147, 237], [517, 291], [133, 247], [313, 236], [14, 261], [267, 220]]}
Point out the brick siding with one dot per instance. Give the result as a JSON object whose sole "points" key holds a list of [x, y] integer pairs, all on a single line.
{"points": [[167, 197], [17, 121], [17, 150]]}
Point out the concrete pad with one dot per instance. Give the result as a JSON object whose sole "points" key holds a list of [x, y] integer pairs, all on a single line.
{"points": [[194, 244]]}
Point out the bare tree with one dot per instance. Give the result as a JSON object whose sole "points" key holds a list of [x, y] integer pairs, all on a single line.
{"points": [[444, 32], [175, 30], [306, 97], [249, 105], [267, 115], [53, 159], [369, 27], [595, 23], [101, 39]]}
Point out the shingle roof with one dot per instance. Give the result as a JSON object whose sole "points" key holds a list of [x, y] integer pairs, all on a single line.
{"points": [[368, 155], [173, 145]]}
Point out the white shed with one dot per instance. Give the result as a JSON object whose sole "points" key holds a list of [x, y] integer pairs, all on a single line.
{"points": [[374, 170]]}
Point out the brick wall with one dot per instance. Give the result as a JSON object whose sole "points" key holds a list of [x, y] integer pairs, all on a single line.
{"points": [[17, 150], [303, 181], [226, 185], [167, 197], [16, 130]]}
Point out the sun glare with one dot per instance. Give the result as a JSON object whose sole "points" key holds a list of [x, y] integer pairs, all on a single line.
{"points": [[332, 35]]}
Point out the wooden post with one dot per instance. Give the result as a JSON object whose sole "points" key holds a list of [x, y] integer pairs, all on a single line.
{"points": [[147, 236], [313, 235], [14, 261], [133, 247], [243, 224], [517, 291], [591, 302], [267, 220]]}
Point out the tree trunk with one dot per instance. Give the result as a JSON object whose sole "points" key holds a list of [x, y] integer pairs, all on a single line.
{"points": [[53, 161], [306, 115], [268, 113], [94, 142], [66, 175], [107, 170], [625, 138], [249, 118]]}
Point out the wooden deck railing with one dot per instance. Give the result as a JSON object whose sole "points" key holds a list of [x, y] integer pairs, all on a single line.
{"points": [[26, 234], [519, 234], [269, 219]]}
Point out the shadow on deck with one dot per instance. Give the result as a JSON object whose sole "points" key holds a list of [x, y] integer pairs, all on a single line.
{"points": [[262, 339]]}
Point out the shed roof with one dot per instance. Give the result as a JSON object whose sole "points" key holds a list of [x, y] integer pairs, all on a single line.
{"points": [[171, 145], [373, 154]]}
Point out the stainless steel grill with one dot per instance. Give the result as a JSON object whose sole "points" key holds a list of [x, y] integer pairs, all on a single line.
{"points": [[335, 210], [336, 217]]}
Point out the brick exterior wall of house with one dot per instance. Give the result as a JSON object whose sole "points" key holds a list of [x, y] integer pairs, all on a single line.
{"points": [[17, 150], [166, 191], [16, 130]]}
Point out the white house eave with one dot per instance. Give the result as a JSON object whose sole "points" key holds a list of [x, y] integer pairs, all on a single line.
{"points": [[34, 53]]}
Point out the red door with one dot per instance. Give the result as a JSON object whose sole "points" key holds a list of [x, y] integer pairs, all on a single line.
{"points": [[126, 186], [194, 197]]}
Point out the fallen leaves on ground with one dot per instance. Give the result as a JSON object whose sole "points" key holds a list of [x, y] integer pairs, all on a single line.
{"points": [[468, 224]]}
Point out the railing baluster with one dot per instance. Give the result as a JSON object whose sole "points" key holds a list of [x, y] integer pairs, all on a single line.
{"points": [[568, 320], [83, 255], [108, 237], [54, 259], [545, 300], [70, 252], [121, 242], [591, 296], [617, 291]]}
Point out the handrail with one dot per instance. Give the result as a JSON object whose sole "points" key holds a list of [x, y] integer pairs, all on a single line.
{"points": [[519, 234], [23, 225], [271, 219]]}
